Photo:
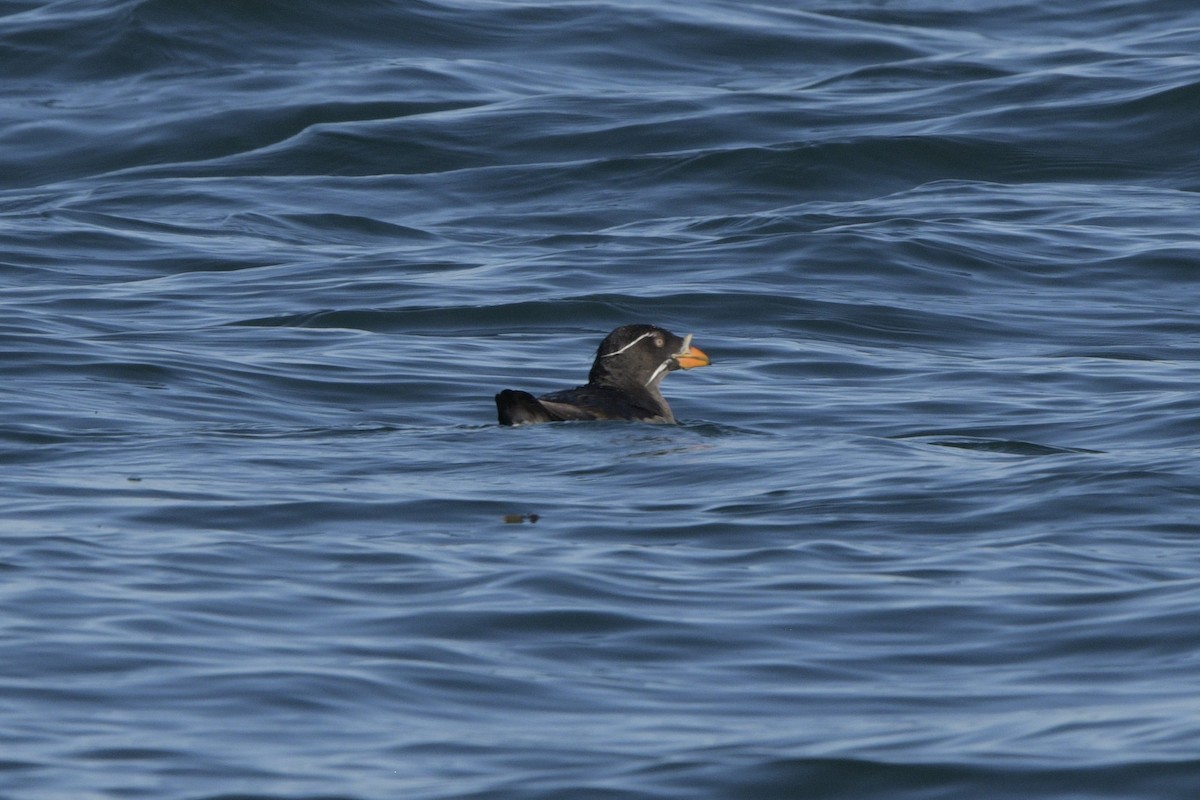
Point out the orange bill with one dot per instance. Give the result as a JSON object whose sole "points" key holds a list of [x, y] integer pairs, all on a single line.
{"points": [[692, 357]]}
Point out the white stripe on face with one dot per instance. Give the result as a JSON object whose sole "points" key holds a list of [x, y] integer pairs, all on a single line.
{"points": [[657, 372], [626, 347]]}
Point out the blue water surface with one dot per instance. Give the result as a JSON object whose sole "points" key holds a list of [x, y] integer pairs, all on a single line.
{"points": [[927, 529]]}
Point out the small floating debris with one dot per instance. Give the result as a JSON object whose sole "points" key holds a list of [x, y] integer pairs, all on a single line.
{"points": [[1012, 447], [517, 519]]}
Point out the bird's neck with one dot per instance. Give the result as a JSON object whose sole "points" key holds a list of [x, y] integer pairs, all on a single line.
{"points": [[646, 395]]}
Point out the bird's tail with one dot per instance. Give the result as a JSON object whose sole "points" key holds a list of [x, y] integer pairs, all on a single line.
{"points": [[521, 408]]}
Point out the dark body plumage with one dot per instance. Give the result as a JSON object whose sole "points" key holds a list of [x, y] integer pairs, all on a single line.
{"points": [[623, 384]]}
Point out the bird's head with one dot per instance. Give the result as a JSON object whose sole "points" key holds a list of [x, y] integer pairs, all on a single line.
{"points": [[642, 355]]}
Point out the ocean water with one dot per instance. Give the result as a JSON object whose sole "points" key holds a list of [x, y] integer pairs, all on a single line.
{"points": [[929, 527]]}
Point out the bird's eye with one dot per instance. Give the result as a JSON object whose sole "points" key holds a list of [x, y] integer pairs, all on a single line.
{"points": [[658, 341]]}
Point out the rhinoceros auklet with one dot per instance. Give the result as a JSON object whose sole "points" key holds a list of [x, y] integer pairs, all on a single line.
{"points": [[630, 364]]}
